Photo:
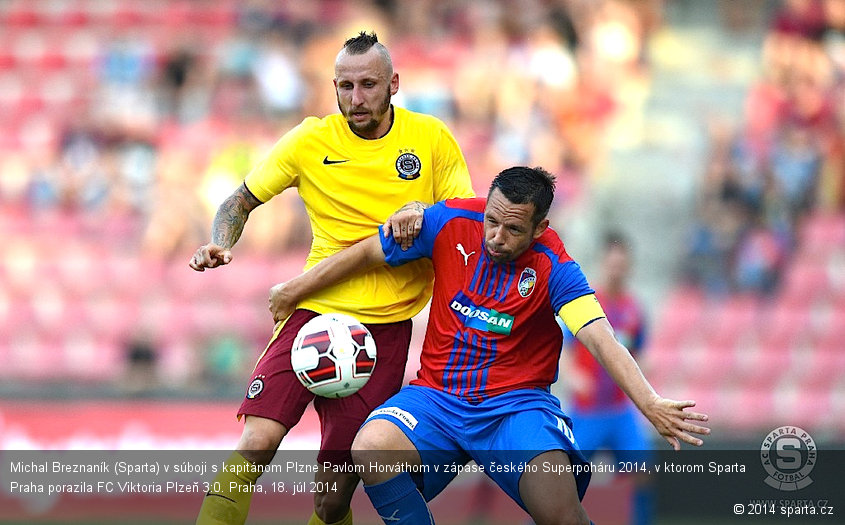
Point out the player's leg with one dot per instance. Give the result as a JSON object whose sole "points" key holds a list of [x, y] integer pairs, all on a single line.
{"points": [[274, 403], [395, 496], [333, 497], [229, 496], [341, 418], [415, 427], [549, 495], [551, 498]]}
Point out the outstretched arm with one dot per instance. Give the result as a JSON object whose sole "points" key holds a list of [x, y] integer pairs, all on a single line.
{"points": [[226, 230], [360, 257], [669, 417]]}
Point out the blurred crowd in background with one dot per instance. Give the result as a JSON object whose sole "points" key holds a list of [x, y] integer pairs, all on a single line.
{"points": [[783, 161], [153, 111], [125, 124]]}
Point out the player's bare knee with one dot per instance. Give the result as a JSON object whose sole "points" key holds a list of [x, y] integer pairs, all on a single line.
{"points": [[368, 442]]}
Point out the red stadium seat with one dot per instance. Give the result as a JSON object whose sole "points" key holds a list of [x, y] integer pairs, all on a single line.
{"points": [[681, 312], [745, 408], [20, 13], [736, 317], [808, 408], [805, 279], [822, 232]]}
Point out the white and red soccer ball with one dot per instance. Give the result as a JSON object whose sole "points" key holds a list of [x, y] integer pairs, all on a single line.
{"points": [[333, 355]]}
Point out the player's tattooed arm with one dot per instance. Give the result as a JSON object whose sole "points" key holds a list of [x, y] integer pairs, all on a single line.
{"points": [[406, 223], [231, 217], [226, 230]]}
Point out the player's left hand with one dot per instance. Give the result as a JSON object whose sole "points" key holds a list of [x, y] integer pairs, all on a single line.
{"points": [[282, 302], [406, 223], [671, 419]]}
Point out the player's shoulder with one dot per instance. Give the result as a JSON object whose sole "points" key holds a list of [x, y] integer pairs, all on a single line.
{"points": [[309, 127], [321, 124], [474, 204], [443, 212], [550, 245]]}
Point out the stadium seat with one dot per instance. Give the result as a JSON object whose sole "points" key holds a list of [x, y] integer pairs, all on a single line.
{"points": [[745, 408], [20, 13], [735, 318], [805, 279], [681, 313], [809, 408], [761, 365], [822, 232]]}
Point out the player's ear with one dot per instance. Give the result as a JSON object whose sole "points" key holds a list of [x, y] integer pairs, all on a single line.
{"points": [[540, 228], [394, 84]]}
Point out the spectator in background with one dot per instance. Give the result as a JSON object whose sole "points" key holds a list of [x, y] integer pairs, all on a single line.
{"points": [[603, 417]]}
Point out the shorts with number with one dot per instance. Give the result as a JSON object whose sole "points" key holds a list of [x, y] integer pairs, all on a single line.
{"points": [[502, 434], [274, 392]]}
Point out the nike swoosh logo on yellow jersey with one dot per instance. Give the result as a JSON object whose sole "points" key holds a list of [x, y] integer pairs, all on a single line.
{"points": [[327, 161]]}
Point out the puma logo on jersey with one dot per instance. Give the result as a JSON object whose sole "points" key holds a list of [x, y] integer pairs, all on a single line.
{"points": [[466, 255]]}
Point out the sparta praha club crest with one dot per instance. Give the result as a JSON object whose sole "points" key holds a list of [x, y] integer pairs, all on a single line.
{"points": [[408, 165]]}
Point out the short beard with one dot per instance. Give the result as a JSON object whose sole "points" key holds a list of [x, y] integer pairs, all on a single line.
{"points": [[371, 124]]}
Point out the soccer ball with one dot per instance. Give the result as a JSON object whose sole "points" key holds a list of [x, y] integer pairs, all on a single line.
{"points": [[333, 355]]}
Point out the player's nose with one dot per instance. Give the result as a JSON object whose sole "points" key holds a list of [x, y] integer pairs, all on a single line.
{"points": [[357, 96]]}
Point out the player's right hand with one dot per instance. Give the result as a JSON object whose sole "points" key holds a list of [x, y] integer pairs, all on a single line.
{"points": [[672, 420], [282, 301], [210, 256], [405, 224]]}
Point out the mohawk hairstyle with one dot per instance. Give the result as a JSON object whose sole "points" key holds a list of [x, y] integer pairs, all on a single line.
{"points": [[358, 45]]}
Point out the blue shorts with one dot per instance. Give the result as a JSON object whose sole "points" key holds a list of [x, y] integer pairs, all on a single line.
{"points": [[501, 434], [619, 430]]}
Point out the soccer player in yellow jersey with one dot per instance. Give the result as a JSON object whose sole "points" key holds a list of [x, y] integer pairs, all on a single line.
{"points": [[353, 170]]}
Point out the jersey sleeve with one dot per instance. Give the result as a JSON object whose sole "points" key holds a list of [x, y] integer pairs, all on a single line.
{"points": [[434, 218], [278, 170], [571, 296], [451, 174]]}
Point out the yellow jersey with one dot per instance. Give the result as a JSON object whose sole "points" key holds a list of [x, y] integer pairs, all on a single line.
{"points": [[350, 186]]}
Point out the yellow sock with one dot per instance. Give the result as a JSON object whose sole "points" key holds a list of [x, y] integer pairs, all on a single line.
{"points": [[227, 500], [315, 520]]}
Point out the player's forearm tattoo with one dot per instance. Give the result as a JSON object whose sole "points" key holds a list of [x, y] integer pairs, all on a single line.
{"points": [[415, 205], [231, 217]]}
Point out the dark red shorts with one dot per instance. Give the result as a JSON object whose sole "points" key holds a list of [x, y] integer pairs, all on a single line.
{"points": [[275, 393]]}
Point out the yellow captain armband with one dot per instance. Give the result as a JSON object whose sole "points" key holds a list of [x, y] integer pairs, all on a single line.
{"points": [[577, 313]]}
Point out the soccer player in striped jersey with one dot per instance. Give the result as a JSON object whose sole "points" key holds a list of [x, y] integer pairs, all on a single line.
{"points": [[353, 170], [490, 354], [603, 416]]}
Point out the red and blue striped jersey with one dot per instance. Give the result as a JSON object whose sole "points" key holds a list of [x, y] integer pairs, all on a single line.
{"points": [[492, 326]]}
